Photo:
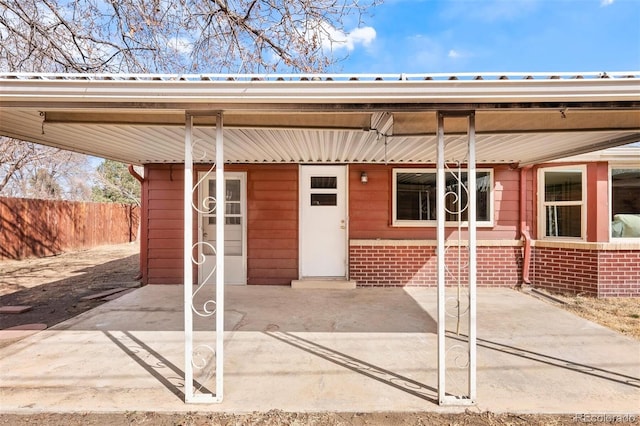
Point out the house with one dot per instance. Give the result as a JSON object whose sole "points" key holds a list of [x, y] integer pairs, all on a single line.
{"points": [[334, 180], [334, 177]]}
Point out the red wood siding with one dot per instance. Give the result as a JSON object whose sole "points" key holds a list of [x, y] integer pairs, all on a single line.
{"points": [[272, 224], [598, 221], [506, 206], [530, 209], [163, 191], [370, 206]]}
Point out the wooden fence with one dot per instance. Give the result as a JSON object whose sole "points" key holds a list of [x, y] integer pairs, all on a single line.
{"points": [[36, 228]]}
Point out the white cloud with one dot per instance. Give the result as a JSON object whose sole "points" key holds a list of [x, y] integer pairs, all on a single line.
{"points": [[335, 39], [458, 54], [605, 3], [364, 36]]}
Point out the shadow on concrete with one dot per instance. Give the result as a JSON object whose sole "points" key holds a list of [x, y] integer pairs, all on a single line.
{"points": [[167, 373], [382, 375], [552, 361]]}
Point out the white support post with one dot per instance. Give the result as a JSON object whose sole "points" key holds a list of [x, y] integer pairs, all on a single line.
{"points": [[191, 361], [221, 207], [441, 250], [188, 264], [440, 253], [471, 175]]}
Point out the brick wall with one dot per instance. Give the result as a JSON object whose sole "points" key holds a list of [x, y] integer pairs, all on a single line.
{"points": [[565, 270], [601, 273], [373, 265], [619, 273], [499, 266], [416, 265]]}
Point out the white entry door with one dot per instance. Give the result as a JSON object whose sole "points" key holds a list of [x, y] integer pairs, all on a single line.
{"points": [[235, 241], [323, 222]]}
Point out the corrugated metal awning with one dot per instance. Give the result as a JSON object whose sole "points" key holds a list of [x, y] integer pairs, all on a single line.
{"points": [[520, 118]]}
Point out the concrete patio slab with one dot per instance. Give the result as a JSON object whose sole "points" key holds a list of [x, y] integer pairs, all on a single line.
{"points": [[315, 350], [21, 331]]}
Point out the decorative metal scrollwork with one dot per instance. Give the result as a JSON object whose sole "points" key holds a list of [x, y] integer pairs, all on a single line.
{"points": [[208, 307], [457, 301], [459, 355], [456, 190], [203, 360], [203, 303], [457, 306], [209, 203]]}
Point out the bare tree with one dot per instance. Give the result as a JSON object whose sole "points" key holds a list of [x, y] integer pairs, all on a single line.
{"points": [[163, 36], [34, 171], [174, 35]]}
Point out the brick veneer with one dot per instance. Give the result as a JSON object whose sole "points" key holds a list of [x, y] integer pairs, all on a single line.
{"points": [[565, 270], [619, 273], [416, 265], [601, 273]]}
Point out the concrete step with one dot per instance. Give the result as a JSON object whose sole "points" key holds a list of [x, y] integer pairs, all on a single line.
{"points": [[323, 284]]}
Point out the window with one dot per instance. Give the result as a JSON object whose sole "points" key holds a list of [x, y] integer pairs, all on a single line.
{"points": [[562, 195], [233, 215], [324, 191], [625, 202], [414, 197]]}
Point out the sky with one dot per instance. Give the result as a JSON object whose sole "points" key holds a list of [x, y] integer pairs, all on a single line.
{"points": [[449, 36]]}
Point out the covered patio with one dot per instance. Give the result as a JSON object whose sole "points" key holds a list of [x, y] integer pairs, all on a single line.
{"points": [[367, 350], [460, 120]]}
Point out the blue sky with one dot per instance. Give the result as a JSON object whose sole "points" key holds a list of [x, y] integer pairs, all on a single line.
{"points": [[420, 36]]}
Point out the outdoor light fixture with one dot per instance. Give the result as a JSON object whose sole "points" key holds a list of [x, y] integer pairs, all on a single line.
{"points": [[364, 178]]}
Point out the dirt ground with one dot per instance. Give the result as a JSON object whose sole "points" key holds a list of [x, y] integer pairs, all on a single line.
{"points": [[54, 287], [619, 314], [273, 418]]}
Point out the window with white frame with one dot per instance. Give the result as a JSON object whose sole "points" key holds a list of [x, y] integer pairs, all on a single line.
{"points": [[562, 194], [625, 201], [414, 197]]}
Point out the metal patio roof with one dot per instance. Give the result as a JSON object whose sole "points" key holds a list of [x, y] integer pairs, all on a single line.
{"points": [[520, 118]]}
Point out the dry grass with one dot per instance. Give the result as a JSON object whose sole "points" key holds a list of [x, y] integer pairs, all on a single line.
{"points": [[617, 313]]}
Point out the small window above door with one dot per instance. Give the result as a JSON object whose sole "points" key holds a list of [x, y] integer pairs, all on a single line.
{"points": [[324, 182]]}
